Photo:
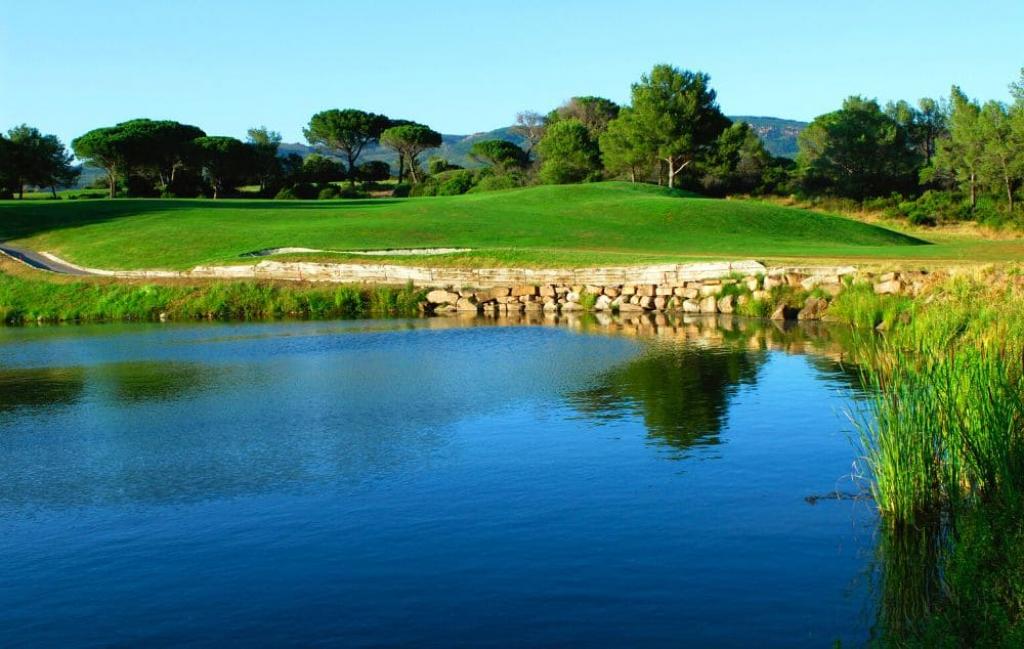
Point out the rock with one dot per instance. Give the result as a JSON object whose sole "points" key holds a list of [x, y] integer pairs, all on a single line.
{"points": [[442, 297], [663, 291], [888, 277], [629, 289], [533, 306], [611, 292], [813, 309], [523, 290], [772, 281], [784, 312], [743, 300], [629, 307], [646, 290], [593, 290], [691, 293], [794, 279], [551, 306], [467, 304], [727, 304], [760, 296], [572, 296], [709, 304], [660, 302], [691, 306], [832, 289], [647, 302], [547, 290], [490, 295], [752, 283], [572, 306], [890, 287], [603, 303], [710, 289]]}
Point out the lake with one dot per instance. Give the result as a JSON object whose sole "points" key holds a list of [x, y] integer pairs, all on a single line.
{"points": [[434, 482]]}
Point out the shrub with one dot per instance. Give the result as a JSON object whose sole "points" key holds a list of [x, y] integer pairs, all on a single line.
{"points": [[286, 194], [457, 182], [327, 193], [305, 191], [401, 190], [352, 192], [490, 183]]}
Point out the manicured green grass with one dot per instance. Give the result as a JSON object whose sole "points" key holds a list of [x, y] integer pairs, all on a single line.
{"points": [[605, 223]]}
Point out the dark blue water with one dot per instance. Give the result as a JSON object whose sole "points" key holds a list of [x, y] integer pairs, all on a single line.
{"points": [[427, 484]]}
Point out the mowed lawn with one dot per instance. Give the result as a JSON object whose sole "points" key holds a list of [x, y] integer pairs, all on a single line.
{"points": [[576, 225]]}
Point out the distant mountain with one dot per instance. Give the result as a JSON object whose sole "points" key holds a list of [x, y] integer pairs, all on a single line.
{"points": [[778, 135]]}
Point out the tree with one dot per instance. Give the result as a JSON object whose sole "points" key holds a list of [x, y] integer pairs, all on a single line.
{"points": [[1002, 135], [960, 155], [623, 149], [348, 131], [593, 112], [739, 162], [104, 148], [225, 161], [8, 176], [409, 141], [321, 170], [265, 144], [530, 126], [924, 124], [501, 155], [374, 171], [568, 154], [37, 159], [858, 152], [676, 112]]}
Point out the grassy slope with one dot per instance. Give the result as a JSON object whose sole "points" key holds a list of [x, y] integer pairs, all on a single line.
{"points": [[563, 225]]}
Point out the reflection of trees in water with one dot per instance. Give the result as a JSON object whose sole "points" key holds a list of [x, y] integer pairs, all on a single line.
{"points": [[959, 583], [135, 382], [681, 391], [40, 387]]}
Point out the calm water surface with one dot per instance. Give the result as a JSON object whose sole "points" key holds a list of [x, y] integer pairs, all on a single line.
{"points": [[428, 483]]}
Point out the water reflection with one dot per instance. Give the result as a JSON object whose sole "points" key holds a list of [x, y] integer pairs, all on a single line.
{"points": [[44, 387], [682, 392]]}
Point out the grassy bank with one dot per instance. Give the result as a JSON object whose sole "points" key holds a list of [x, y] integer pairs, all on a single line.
{"points": [[29, 298], [563, 226]]}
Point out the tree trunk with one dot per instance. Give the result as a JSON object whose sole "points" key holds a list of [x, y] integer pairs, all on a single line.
{"points": [[21, 191], [1009, 193], [671, 172], [412, 172], [53, 190], [401, 167], [351, 171], [974, 191]]}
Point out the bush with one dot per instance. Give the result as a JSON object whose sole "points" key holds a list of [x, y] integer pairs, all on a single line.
{"points": [[490, 183], [352, 192], [456, 183], [327, 193], [401, 190], [286, 194], [426, 188], [305, 191], [373, 170]]}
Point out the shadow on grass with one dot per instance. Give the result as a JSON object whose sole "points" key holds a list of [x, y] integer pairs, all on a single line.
{"points": [[21, 219]]}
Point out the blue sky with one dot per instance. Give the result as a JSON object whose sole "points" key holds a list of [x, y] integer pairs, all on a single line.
{"points": [[464, 67]]}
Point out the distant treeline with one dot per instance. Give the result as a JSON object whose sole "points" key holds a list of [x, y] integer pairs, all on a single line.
{"points": [[937, 159]]}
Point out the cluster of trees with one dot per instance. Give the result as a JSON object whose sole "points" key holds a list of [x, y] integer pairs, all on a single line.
{"points": [[938, 159], [29, 158]]}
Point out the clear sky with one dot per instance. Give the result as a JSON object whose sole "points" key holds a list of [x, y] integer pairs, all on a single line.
{"points": [[463, 67]]}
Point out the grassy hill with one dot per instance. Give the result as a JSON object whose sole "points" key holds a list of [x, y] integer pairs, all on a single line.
{"points": [[574, 225]]}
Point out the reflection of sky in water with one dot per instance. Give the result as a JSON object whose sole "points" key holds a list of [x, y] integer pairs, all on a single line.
{"points": [[405, 483]]}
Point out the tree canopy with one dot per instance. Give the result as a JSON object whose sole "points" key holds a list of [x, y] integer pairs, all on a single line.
{"points": [[858, 151], [225, 161], [568, 154], [501, 155], [348, 131], [409, 141]]}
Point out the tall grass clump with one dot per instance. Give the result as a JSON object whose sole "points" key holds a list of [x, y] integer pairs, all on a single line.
{"points": [[858, 305], [37, 300], [944, 430]]}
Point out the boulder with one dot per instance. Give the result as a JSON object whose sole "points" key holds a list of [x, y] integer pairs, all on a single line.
{"points": [[572, 306], [603, 303], [772, 281], [710, 289], [647, 302], [813, 309], [709, 304], [646, 290], [663, 291], [660, 302], [523, 290], [611, 292], [727, 304], [890, 287], [547, 290], [691, 306], [440, 296], [785, 312], [467, 304]]}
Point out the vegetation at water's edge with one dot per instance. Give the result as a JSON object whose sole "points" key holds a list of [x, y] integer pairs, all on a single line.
{"points": [[943, 443], [35, 300]]}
